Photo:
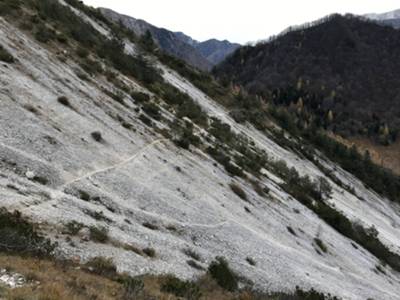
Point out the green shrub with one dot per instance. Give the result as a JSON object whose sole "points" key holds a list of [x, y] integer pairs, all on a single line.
{"points": [[93, 67], [116, 96], [321, 245], [5, 55], [223, 275], [140, 97], [96, 135], [251, 261], [85, 196], [312, 295], [82, 52], [185, 136], [20, 236], [64, 101], [44, 34], [150, 252], [113, 50], [291, 230], [179, 288], [73, 227], [145, 120], [8, 7], [98, 234], [193, 111], [152, 110], [41, 179], [219, 155], [150, 226]]}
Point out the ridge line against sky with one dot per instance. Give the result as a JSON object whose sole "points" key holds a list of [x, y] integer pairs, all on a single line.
{"points": [[237, 20]]}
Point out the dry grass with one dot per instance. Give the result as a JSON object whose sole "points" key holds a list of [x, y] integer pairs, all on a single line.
{"points": [[386, 156], [69, 281], [58, 281]]}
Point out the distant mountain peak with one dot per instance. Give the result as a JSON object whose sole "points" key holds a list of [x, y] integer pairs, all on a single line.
{"points": [[202, 55], [391, 18], [395, 14]]}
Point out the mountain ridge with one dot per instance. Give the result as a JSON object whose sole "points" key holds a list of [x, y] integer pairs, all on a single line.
{"points": [[391, 18], [203, 55]]}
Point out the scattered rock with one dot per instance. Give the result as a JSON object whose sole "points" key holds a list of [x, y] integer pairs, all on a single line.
{"points": [[30, 175], [11, 280], [84, 234]]}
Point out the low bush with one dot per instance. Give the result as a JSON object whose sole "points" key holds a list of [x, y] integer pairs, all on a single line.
{"points": [[185, 289], [192, 254], [140, 97], [73, 227], [8, 7], [93, 67], [238, 191], [20, 236], [195, 265], [150, 226], [44, 34], [145, 120], [5, 55], [251, 261], [98, 234], [291, 230], [258, 188], [152, 110], [150, 252], [218, 154], [64, 101], [223, 275], [321, 245], [41, 179], [98, 215], [82, 52], [85, 196], [313, 295], [96, 135], [102, 266], [133, 287], [116, 95]]}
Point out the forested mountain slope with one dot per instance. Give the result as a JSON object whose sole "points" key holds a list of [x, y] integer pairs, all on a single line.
{"points": [[343, 68]]}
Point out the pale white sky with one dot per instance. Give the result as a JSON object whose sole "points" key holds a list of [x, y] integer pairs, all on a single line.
{"points": [[238, 21]]}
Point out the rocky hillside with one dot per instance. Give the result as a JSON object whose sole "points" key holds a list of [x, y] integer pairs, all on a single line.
{"points": [[118, 158], [342, 67], [203, 55]]}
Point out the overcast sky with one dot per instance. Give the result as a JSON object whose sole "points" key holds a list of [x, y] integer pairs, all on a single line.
{"points": [[238, 20]]}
